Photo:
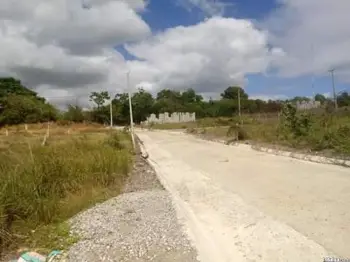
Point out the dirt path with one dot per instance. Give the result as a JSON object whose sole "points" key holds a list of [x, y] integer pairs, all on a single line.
{"points": [[241, 205]]}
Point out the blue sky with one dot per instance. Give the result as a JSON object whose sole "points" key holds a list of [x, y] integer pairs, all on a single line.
{"points": [[164, 14], [207, 45]]}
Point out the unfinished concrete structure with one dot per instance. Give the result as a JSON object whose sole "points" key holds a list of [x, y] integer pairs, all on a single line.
{"points": [[306, 105], [176, 117]]}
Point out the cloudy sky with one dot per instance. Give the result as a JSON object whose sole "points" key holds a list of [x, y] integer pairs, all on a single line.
{"points": [[64, 49]]}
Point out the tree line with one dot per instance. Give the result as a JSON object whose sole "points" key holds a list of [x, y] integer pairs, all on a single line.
{"points": [[18, 104]]}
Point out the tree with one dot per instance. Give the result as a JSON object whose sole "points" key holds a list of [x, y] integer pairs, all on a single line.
{"points": [[321, 98], [232, 93], [121, 105], [19, 104], [17, 109], [299, 99], [142, 104], [10, 85], [190, 96], [168, 101], [101, 114], [99, 98], [169, 94], [74, 113], [343, 99]]}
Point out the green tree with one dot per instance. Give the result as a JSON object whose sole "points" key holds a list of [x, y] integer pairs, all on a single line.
{"points": [[10, 85], [321, 98], [19, 104], [190, 96], [74, 113], [142, 103], [99, 98], [17, 109], [343, 99], [232, 93], [121, 107]]}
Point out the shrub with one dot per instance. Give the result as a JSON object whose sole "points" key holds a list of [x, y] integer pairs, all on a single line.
{"points": [[292, 123], [63, 122], [238, 132]]}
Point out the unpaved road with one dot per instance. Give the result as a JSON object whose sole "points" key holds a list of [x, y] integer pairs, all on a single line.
{"points": [[238, 204]]}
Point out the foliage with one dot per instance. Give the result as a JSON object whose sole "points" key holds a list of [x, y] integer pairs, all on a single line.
{"points": [[9, 85], [18, 109], [238, 132], [321, 98], [32, 108], [296, 124], [232, 92], [99, 98], [74, 113], [46, 185], [19, 104]]}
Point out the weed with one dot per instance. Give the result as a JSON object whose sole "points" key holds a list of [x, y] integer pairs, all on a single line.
{"points": [[42, 186], [238, 132]]}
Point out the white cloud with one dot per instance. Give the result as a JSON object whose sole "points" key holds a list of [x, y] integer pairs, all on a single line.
{"points": [[315, 36], [59, 47], [64, 48], [209, 7], [78, 30], [208, 56]]}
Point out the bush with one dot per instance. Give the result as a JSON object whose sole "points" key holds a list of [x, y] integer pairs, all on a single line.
{"points": [[63, 122], [294, 124], [238, 132]]}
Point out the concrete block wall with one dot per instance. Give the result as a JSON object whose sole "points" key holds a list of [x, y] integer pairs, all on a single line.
{"points": [[305, 105], [176, 117]]}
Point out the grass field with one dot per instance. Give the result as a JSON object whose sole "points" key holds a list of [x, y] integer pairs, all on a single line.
{"points": [[48, 176]]}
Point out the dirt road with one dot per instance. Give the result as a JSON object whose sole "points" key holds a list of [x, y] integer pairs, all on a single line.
{"points": [[241, 205]]}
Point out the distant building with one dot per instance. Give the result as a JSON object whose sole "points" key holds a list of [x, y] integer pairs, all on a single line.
{"points": [[176, 117], [307, 105]]}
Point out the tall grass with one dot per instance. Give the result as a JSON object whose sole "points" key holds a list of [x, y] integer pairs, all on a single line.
{"points": [[327, 133], [40, 185]]}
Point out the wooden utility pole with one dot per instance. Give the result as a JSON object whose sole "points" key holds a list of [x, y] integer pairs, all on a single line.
{"points": [[239, 105], [334, 93], [130, 107]]}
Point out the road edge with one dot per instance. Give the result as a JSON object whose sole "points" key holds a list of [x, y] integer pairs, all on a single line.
{"points": [[278, 152]]}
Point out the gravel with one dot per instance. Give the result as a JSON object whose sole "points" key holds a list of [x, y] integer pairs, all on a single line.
{"points": [[138, 225]]}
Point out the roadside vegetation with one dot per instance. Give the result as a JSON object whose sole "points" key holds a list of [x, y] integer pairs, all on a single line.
{"points": [[308, 131], [44, 184]]}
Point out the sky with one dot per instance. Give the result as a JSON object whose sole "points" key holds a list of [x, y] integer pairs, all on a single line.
{"points": [[274, 49]]}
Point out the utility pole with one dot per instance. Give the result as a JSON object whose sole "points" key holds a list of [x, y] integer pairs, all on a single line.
{"points": [[313, 75], [334, 93], [130, 107], [239, 104]]}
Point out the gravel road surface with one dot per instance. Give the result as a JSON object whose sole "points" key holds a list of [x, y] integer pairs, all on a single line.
{"points": [[139, 225], [238, 204]]}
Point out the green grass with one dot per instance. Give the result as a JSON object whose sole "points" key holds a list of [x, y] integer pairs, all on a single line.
{"points": [[42, 186]]}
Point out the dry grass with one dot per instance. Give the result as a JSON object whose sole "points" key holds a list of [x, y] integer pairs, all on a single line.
{"points": [[42, 186]]}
